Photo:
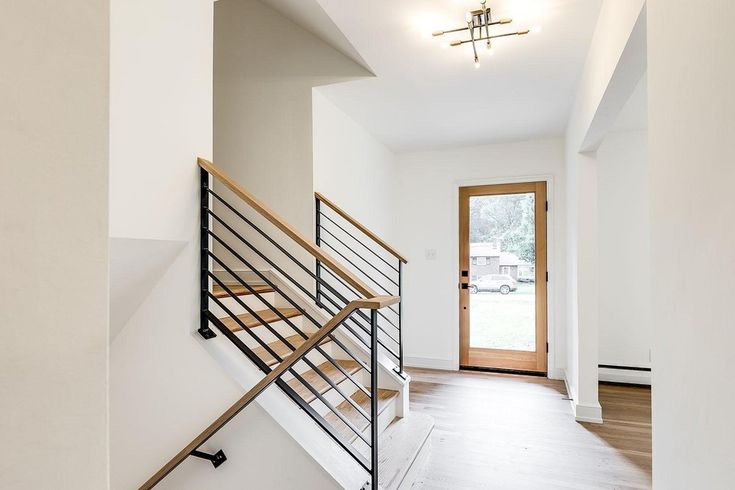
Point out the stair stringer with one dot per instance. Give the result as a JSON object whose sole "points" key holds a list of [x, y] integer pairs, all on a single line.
{"points": [[340, 471]]}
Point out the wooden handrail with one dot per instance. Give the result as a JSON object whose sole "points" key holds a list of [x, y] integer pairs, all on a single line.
{"points": [[361, 227], [372, 304], [290, 231]]}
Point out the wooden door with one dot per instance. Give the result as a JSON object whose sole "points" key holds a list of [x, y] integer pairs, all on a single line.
{"points": [[503, 277]]}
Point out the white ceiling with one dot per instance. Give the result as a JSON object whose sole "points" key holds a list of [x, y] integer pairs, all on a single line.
{"points": [[426, 96]]}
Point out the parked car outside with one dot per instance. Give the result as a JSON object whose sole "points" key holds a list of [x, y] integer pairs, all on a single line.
{"points": [[494, 283]]}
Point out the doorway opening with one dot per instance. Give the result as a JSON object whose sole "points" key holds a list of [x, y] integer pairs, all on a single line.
{"points": [[502, 276]]}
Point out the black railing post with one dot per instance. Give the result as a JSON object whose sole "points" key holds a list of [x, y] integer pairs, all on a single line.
{"points": [[374, 399], [400, 317], [204, 329], [318, 238]]}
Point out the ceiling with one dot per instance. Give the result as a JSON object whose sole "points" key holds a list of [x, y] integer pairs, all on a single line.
{"points": [[425, 96]]}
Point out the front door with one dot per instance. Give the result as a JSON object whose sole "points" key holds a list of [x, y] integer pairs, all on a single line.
{"points": [[502, 276]]}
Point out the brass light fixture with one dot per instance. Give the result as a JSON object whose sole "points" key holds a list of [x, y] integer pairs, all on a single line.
{"points": [[478, 21]]}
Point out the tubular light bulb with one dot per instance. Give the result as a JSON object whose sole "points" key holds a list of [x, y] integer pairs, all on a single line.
{"points": [[477, 63]]}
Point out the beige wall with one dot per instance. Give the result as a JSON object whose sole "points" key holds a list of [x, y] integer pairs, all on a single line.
{"points": [[53, 244]]}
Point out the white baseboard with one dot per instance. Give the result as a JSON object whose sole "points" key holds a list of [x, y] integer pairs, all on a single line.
{"points": [[583, 413], [587, 413], [429, 363], [557, 374], [625, 376]]}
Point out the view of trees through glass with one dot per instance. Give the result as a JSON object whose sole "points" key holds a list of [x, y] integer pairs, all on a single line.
{"points": [[502, 272]]}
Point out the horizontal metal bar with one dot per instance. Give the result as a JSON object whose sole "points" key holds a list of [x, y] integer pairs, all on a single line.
{"points": [[358, 241], [360, 256], [380, 313], [362, 340], [362, 326], [291, 393], [276, 245], [331, 407], [283, 294], [245, 328], [265, 324]]}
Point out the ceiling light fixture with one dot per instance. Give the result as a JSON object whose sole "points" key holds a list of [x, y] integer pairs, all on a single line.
{"points": [[477, 20]]}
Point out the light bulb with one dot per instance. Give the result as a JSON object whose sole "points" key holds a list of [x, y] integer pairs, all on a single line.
{"points": [[477, 63], [468, 17]]}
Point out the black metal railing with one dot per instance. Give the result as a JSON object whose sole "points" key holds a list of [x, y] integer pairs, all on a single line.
{"points": [[368, 257], [234, 249]]}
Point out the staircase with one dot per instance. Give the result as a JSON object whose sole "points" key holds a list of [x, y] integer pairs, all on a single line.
{"points": [[314, 325]]}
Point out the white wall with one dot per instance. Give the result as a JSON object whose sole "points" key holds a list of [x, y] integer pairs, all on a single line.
{"points": [[53, 248], [164, 386], [614, 65], [691, 128], [353, 169], [428, 219], [263, 106], [624, 268]]}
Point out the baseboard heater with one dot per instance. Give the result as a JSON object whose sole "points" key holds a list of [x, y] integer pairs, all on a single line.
{"points": [[633, 375]]}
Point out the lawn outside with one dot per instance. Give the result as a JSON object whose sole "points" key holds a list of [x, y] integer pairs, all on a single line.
{"points": [[499, 321]]}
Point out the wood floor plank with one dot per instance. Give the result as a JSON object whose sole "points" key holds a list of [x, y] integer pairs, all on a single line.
{"points": [[496, 431]]}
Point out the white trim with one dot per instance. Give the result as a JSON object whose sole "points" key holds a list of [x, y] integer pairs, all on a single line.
{"points": [[429, 363], [587, 413], [552, 286], [625, 376], [557, 374], [582, 413]]}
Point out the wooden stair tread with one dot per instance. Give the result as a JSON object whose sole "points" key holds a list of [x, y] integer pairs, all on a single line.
{"points": [[355, 418], [319, 383], [281, 349], [239, 290], [251, 321]]}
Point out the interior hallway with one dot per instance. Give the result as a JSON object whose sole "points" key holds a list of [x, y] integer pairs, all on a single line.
{"points": [[515, 432]]}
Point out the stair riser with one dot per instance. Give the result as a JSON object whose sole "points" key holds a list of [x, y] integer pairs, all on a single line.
{"points": [[231, 304], [384, 420], [314, 356], [347, 387], [265, 334]]}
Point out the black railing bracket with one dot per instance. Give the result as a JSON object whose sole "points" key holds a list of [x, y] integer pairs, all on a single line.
{"points": [[217, 458]]}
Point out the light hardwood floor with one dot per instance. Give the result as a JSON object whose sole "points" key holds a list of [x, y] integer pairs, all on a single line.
{"points": [[496, 431]]}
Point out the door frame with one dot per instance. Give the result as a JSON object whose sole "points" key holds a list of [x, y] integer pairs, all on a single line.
{"points": [[536, 361]]}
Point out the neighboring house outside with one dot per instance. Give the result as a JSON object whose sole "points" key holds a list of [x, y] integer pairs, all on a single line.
{"points": [[486, 258]]}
